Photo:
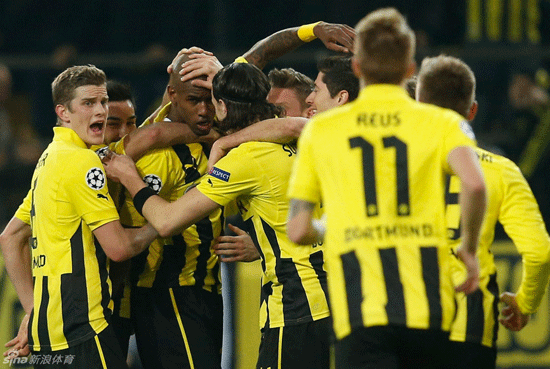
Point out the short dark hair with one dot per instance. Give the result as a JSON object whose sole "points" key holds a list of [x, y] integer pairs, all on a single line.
{"points": [[119, 91], [291, 79], [243, 88], [339, 76]]}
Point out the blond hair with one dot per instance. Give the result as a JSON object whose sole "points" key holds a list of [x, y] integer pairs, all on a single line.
{"points": [[384, 46]]}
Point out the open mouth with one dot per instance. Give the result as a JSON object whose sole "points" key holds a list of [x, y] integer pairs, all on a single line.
{"points": [[96, 127], [204, 126]]}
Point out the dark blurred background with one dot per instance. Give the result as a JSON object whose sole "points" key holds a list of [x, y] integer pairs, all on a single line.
{"points": [[504, 41]]}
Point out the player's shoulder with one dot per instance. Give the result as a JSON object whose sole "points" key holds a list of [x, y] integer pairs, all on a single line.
{"points": [[494, 160], [436, 112]]}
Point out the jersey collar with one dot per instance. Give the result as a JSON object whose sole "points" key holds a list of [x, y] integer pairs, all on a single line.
{"points": [[383, 92], [68, 135]]}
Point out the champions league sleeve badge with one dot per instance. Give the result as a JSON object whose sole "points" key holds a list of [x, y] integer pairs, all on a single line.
{"points": [[95, 179], [153, 181]]}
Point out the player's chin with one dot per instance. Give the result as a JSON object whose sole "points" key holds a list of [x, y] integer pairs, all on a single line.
{"points": [[95, 138]]}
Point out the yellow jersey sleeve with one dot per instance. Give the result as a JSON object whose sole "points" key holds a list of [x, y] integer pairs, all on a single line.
{"points": [[229, 178], [23, 212], [304, 183], [89, 193], [522, 221]]}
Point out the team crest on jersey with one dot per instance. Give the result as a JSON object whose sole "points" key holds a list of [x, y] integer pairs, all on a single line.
{"points": [[467, 129], [219, 174], [95, 179], [153, 181], [102, 153]]}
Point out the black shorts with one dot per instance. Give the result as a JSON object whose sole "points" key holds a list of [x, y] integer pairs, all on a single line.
{"points": [[472, 355], [393, 347], [123, 329], [101, 352], [299, 346], [178, 326]]}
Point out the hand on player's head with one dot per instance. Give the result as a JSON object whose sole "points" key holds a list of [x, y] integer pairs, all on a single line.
{"points": [[191, 50], [336, 37], [200, 65]]}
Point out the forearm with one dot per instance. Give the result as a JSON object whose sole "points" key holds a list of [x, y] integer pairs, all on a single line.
{"points": [[301, 227], [17, 257], [273, 47], [157, 135], [533, 286], [278, 130], [472, 206], [139, 239]]}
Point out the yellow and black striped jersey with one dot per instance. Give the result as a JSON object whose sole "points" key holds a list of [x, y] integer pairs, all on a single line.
{"points": [[256, 174], [378, 164], [186, 259], [65, 205], [511, 202]]}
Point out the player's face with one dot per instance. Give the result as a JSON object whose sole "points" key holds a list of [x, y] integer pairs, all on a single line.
{"points": [[320, 98], [193, 106], [87, 113], [120, 121], [289, 100]]}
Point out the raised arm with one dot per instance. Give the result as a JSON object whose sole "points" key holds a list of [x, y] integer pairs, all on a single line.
{"points": [[337, 37]]}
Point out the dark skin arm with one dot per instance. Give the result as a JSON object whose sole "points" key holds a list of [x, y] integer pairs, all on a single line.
{"points": [[336, 37]]}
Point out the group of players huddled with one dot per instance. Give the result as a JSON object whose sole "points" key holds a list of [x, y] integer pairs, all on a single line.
{"points": [[364, 185]]}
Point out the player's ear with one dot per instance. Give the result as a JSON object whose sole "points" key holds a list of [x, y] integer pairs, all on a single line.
{"points": [[473, 111], [62, 112], [343, 97]]}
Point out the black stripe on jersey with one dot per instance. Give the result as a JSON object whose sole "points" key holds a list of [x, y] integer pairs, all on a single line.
{"points": [[43, 333], [294, 300], [31, 318], [137, 266], [395, 307], [74, 294], [267, 289], [493, 288], [206, 236], [352, 277], [430, 273], [317, 261], [475, 317], [189, 163], [252, 233], [451, 198], [104, 277], [173, 261]]}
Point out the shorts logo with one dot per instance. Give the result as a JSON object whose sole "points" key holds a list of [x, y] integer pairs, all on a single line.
{"points": [[467, 129], [220, 174], [95, 179], [102, 152], [153, 181]]}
